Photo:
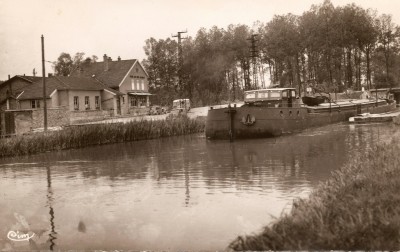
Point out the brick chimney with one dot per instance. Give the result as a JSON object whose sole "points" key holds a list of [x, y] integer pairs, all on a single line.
{"points": [[105, 59]]}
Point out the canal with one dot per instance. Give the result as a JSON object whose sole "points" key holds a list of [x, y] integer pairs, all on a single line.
{"points": [[178, 193]]}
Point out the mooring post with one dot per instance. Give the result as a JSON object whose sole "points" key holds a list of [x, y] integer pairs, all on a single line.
{"points": [[231, 113]]}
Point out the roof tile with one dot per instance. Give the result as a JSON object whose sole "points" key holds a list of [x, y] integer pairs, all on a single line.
{"points": [[116, 72], [35, 91]]}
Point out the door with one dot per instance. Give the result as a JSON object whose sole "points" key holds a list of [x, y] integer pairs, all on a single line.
{"points": [[118, 105], [9, 123], [289, 96]]}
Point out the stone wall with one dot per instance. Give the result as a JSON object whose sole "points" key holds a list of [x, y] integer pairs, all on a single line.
{"points": [[88, 115], [138, 111], [55, 117], [27, 120]]}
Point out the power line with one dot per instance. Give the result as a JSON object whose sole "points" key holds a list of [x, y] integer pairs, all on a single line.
{"points": [[254, 56], [180, 57]]}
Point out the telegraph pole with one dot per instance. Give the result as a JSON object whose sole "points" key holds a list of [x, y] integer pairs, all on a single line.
{"points": [[44, 88], [180, 58], [254, 55]]}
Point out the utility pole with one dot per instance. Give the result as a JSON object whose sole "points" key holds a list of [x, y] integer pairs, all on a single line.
{"points": [[254, 56], [44, 88], [180, 59]]}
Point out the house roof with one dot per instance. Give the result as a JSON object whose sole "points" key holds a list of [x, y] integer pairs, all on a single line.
{"points": [[78, 83], [29, 79], [35, 91], [116, 73]]}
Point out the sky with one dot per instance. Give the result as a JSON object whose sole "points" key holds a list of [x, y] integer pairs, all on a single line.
{"points": [[120, 27]]}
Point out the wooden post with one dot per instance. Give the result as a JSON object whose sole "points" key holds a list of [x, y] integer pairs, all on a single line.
{"points": [[44, 88]]}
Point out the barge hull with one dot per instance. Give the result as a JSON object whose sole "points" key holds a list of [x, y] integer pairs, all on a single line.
{"points": [[256, 122]]}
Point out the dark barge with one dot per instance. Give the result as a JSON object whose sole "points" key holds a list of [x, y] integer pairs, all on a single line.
{"points": [[276, 111]]}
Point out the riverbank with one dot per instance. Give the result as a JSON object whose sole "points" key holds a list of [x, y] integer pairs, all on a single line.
{"points": [[97, 134], [358, 208]]}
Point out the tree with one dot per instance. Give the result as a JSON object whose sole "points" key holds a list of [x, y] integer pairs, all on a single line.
{"points": [[64, 65], [335, 47], [281, 44], [387, 37], [162, 66], [78, 58]]}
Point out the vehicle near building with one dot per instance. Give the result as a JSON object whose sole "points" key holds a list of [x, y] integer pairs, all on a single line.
{"points": [[180, 106], [157, 110]]}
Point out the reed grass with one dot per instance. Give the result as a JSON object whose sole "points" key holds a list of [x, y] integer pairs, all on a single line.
{"points": [[97, 134], [358, 208]]}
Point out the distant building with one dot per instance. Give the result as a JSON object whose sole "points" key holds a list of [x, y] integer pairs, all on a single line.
{"points": [[93, 91], [73, 93], [125, 76], [12, 87], [68, 99]]}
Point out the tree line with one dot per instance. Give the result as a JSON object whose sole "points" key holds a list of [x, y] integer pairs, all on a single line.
{"points": [[331, 48]]}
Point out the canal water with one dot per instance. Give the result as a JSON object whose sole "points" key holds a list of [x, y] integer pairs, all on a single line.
{"points": [[178, 193]]}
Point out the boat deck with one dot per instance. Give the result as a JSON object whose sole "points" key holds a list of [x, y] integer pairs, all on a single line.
{"points": [[345, 104]]}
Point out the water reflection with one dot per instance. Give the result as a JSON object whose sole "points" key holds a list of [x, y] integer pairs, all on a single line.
{"points": [[52, 233], [181, 193]]}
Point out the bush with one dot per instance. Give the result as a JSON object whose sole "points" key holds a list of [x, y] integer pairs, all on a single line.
{"points": [[96, 134], [357, 209]]}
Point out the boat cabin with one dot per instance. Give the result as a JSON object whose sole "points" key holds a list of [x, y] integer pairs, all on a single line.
{"points": [[271, 97]]}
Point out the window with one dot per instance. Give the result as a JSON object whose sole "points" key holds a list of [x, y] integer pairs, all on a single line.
{"points": [[275, 94], [87, 104], [133, 102], [138, 101], [76, 102], [142, 101], [133, 84], [35, 104], [97, 102], [250, 95], [262, 95], [142, 84]]}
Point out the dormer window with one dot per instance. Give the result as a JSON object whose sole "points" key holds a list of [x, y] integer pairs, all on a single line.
{"points": [[35, 104]]}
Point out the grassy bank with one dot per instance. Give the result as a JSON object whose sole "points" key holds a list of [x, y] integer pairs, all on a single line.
{"points": [[357, 209], [87, 135]]}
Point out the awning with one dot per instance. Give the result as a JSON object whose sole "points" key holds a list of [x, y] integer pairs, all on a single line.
{"points": [[131, 93]]}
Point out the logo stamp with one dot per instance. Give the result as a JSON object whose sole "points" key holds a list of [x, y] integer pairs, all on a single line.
{"points": [[18, 236]]}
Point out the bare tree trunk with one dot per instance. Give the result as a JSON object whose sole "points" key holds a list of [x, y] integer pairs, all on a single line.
{"points": [[367, 53], [234, 73], [349, 69], [298, 74]]}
